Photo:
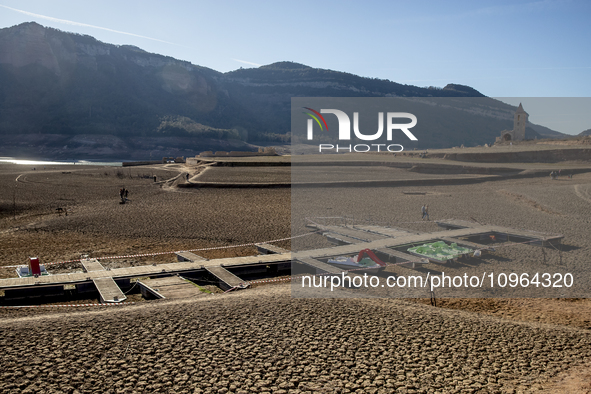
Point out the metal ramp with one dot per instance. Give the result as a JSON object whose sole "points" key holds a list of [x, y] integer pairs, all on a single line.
{"points": [[270, 249], [108, 290], [90, 265], [188, 256], [320, 265], [227, 279], [169, 287]]}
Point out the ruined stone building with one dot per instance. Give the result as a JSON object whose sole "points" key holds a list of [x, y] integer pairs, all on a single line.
{"points": [[519, 123]]}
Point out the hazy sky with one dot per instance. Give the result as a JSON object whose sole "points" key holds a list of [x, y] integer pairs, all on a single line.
{"points": [[501, 48]]}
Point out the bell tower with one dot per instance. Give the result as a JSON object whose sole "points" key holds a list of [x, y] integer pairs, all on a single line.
{"points": [[519, 123]]}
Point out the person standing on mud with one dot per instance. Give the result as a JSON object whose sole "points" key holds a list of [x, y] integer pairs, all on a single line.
{"points": [[425, 212], [126, 193]]}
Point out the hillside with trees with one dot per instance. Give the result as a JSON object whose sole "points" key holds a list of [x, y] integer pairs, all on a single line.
{"points": [[67, 94]]}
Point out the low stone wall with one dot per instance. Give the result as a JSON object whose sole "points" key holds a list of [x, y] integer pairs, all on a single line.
{"points": [[234, 154], [140, 163], [534, 156]]}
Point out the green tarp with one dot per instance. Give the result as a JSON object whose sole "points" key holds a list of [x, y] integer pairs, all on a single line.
{"points": [[440, 251]]}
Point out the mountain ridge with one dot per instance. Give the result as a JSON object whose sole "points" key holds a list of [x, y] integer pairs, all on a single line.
{"points": [[59, 83]]}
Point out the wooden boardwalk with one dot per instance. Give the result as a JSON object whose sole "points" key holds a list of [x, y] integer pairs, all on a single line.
{"points": [[189, 256], [90, 265], [383, 241], [341, 239], [142, 271], [394, 256], [538, 237], [228, 280], [324, 267], [169, 287], [108, 290], [463, 243], [386, 231], [351, 232], [269, 249]]}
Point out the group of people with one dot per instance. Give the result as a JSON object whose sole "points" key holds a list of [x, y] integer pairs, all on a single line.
{"points": [[555, 174], [123, 193]]}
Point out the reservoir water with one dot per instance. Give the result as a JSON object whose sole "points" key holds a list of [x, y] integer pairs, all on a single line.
{"points": [[60, 162]]}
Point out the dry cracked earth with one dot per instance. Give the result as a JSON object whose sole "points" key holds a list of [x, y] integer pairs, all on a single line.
{"points": [[264, 341]]}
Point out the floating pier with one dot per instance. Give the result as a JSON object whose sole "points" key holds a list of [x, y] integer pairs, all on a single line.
{"points": [[387, 242], [91, 265], [270, 249], [227, 280], [505, 233], [108, 290], [188, 256], [319, 265], [351, 233], [393, 256], [168, 287]]}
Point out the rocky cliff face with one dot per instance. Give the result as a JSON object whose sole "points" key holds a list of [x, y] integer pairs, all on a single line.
{"points": [[32, 44], [57, 83]]}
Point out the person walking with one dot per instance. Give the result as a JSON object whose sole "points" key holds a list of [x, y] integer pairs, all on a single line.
{"points": [[425, 212]]}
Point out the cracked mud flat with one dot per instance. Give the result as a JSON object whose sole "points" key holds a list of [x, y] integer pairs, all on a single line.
{"points": [[265, 341], [156, 220], [261, 340]]}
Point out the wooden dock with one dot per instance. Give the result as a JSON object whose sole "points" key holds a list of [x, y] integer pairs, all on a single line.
{"points": [[142, 271], [108, 290], [511, 234], [454, 224], [464, 243], [169, 287], [189, 256], [270, 249], [90, 265], [394, 256], [227, 279], [385, 231], [382, 240], [319, 265], [341, 239], [350, 232]]}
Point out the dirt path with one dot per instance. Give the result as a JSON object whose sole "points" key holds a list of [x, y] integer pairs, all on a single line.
{"points": [[583, 192]]}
